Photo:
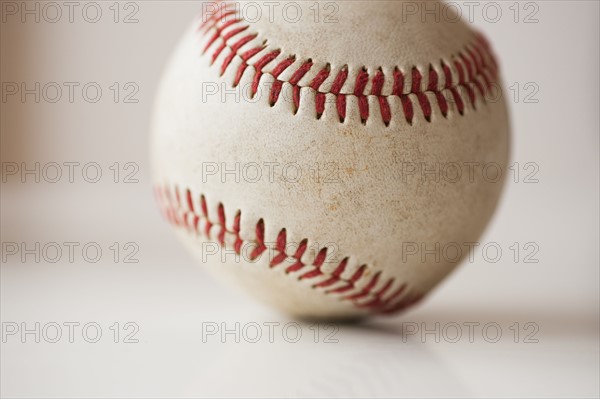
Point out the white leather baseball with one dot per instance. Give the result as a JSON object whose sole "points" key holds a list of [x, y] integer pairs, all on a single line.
{"points": [[315, 162]]}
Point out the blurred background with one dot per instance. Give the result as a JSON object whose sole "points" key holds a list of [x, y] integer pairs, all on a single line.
{"points": [[86, 255]]}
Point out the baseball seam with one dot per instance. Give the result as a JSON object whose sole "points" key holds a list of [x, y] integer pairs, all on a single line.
{"points": [[461, 82], [365, 290]]}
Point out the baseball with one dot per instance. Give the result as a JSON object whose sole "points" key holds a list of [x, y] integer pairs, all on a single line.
{"points": [[334, 159]]}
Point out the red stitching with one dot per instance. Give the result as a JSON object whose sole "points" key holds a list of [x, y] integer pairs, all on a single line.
{"points": [[359, 88], [260, 64], [384, 106], [233, 53], [299, 74], [182, 212], [475, 67], [423, 100], [278, 84], [315, 84], [338, 83]]}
